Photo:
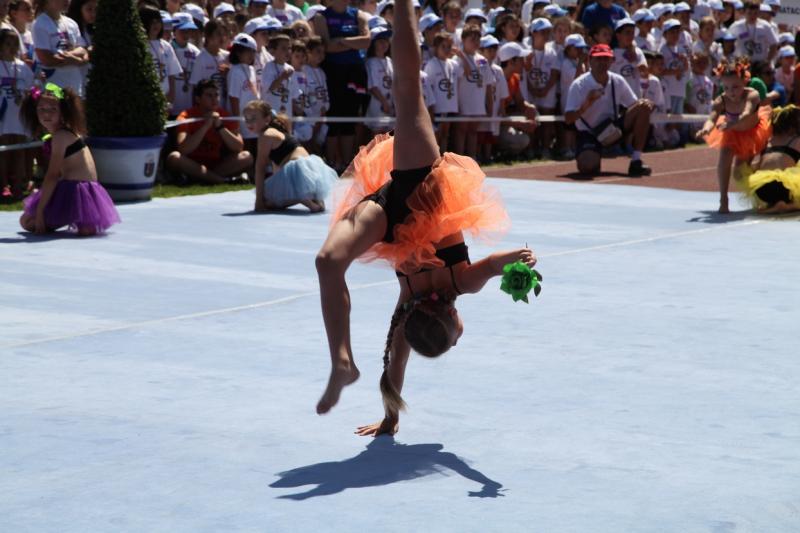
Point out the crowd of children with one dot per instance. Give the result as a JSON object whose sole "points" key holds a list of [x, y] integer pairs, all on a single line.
{"points": [[311, 60]]}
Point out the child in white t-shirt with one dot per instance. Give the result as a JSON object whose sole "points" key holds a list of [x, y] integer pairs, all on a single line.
{"points": [[541, 79], [573, 65], [316, 99], [474, 76], [16, 79], [212, 63], [442, 71], [302, 131], [379, 80], [277, 87], [699, 91], [652, 90], [59, 38], [676, 68], [498, 91], [242, 87], [629, 60], [166, 64], [784, 73], [187, 54]]}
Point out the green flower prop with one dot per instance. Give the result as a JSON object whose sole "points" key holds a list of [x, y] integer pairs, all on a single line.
{"points": [[519, 279]]}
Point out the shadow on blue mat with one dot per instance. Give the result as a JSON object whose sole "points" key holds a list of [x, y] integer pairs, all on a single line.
{"points": [[32, 238], [289, 212], [382, 463], [713, 217]]}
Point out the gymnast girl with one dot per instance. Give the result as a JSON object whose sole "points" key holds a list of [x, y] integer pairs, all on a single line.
{"points": [[407, 206], [738, 124], [772, 180], [70, 194], [298, 177]]}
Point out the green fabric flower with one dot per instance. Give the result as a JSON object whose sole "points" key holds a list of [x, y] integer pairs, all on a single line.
{"points": [[519, 279]]}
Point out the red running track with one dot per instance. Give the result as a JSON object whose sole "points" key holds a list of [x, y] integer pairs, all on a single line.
{"points": [[689, 169]]}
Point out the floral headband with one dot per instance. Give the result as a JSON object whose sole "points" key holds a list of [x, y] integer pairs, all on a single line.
{"points": [[51, 88]]}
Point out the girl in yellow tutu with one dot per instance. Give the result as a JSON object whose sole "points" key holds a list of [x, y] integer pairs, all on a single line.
{"points": [[408, 206], [772, 180], [738, 124]]}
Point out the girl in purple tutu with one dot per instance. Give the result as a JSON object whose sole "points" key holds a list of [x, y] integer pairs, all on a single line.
{"points": [[70, 194]]}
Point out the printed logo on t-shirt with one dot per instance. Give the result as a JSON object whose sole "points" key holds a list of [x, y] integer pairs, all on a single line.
{"points": [[752, 47], [538, 77], [63, 42], [387, 82], [628, 71]]}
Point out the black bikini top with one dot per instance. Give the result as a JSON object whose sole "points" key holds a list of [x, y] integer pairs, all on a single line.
{"points": [[279, 153], [75, 147], [452, 255], [786, 150]]}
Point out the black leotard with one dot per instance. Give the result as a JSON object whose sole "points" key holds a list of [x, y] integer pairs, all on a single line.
{"points": [[279, 153], [75, 147], [393, 195]]}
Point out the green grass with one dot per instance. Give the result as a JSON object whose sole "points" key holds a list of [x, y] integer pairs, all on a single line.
{"points": [[165, 191]]}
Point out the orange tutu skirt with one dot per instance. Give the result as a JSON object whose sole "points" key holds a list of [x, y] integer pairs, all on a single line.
{"points": [[744, 144], [452, 198]]}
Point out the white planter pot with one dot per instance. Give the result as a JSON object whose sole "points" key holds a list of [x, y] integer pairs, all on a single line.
{"points": [[126, 166]]}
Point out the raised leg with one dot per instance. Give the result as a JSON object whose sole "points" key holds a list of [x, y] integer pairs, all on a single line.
{"points": [[724, 177], [415, 144]]}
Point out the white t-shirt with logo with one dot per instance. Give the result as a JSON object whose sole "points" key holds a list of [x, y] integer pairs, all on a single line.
{"points": [[569, 69], [165, 62], [674, 86], [700, 93], [714, 52], [59, 36], [652, 90], [206, 67], [626, 64], [281, 97], [647, 44], [501, 92], [379, 76], [753, 40], [602, 108], [316, 99], [443, 80], [183, 89], [474, 73], [15, 79], [543, 63], [242, 85], [427, 91]]}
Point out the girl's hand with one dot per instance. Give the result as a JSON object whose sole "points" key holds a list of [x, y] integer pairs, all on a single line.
{"points": [[387, 426], [500, 259], [40, 228], [386, 107], [261, 206]]}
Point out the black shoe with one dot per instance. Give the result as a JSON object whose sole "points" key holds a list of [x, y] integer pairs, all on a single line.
{"points": [[637, 169]]}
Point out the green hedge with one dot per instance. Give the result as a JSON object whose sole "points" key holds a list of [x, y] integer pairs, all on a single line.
{"points": [[123, 96]]}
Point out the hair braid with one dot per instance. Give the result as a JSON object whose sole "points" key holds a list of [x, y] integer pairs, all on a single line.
{"points": [[392, 400]]}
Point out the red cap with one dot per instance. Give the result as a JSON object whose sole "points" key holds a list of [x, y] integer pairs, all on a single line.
{"points": [[601, 50]]}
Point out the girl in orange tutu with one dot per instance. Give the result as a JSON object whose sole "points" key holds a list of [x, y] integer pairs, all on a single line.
{"points": [[738, 125], [409, 207]]}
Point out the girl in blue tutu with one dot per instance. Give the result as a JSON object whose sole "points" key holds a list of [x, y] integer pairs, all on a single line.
{"points": [[298, 177], [70, 194]]}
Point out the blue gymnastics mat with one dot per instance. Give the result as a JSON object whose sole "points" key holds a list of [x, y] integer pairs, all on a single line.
{"points": [[164, 377]]}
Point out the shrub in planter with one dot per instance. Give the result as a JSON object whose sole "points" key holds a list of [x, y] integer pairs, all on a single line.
{"points": [[125, 107]]}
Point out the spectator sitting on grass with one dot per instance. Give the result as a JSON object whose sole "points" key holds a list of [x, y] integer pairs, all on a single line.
{"points": [[210, 151]]}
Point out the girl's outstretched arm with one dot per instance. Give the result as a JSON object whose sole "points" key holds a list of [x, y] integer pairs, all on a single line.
{"points": [[349, 238], [474, 276]]}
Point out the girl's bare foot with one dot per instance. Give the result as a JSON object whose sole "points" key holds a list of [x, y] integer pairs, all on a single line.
{"points": [[341, 376], [313, 205], [723, 207], [387, 426]]}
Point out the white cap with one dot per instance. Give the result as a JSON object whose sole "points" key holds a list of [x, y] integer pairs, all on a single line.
{"points": [[670, 24], [380, 32], [535, 2], [223, 8], [375, 21], [787, 51], [489, 40], [166, 20], [764, 8], [259, 1], [727, 36], [428, 21], [415, 4], [621, 23], [716, 5], [738, 4], [313, 10], [383, 4], [785, 38], [659, 10], [576, 40], [773, 3], [555, 11], [196, 12], [510, 51], [540, 24], [242, 39], [270, 23], [251, 26], [475, 12], [643, 15], [183, 21], [682, 7]]}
